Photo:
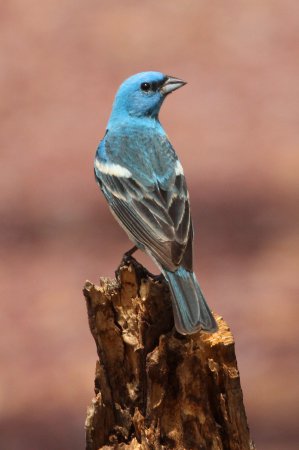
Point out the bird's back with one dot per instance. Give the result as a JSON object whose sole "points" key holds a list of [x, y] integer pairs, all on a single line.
{"points": [[144, 150], [144, 184]]}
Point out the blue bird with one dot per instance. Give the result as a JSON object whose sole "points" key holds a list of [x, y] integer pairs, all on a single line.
{"points": [[143, 181]]}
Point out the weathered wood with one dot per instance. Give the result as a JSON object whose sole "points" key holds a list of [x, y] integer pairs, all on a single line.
{"points": [[156, 389]]}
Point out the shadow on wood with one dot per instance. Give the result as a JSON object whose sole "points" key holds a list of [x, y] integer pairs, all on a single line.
{"points": [[156, 389]]}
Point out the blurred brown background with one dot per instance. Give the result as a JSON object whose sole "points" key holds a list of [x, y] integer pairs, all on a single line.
{"points": [[235, 127]]}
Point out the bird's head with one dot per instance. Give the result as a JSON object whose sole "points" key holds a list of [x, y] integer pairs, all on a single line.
{"points": [[142, 95]]}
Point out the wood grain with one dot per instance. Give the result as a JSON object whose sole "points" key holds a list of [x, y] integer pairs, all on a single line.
{"points": [[154, 388]]}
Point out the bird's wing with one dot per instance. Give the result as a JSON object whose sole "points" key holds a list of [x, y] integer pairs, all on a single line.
{"points": [[156, 214]]}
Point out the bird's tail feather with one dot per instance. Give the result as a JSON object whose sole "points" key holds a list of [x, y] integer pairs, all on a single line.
{"points": [[191, 312]]}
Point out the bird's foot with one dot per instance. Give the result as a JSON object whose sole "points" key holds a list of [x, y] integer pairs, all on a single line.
{"points": [[158, 278], [140, 270], [128, 255], [127, 259]]}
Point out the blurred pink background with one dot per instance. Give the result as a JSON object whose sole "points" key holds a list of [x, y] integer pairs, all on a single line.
{"points": [[235, 127]]}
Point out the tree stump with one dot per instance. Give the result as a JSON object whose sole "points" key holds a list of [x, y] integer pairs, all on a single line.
{"points": [[154, 388]]}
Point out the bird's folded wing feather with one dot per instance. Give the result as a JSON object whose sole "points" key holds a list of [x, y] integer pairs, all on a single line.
{"points": [[156, 215]]}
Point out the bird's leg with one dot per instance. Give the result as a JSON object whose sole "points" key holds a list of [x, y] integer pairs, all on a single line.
{"points": [[128, 255], [130, 252], [126, 259], [143, 272]]}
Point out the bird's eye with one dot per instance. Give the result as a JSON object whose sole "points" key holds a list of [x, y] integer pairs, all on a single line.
{"points": [[145, 87]]}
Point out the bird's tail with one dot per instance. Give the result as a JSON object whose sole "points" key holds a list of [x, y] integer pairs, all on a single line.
{"points": [[191, 312]]}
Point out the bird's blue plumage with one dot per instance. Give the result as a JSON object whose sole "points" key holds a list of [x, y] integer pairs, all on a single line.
{"points": [[143, 181]]}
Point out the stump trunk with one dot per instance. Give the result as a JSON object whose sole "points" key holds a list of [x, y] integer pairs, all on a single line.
{"points": [[154, 388]]}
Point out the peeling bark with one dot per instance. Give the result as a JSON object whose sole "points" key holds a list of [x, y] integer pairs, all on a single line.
{"points": [[156, 389]]}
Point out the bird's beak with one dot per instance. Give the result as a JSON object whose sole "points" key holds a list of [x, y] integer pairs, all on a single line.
{"points": [[171, 84]]}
